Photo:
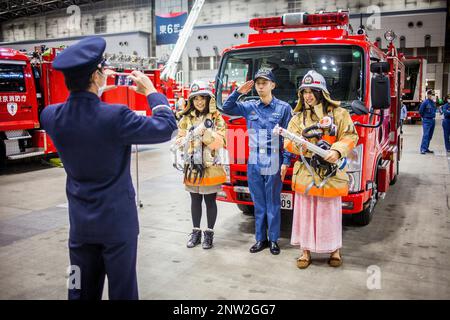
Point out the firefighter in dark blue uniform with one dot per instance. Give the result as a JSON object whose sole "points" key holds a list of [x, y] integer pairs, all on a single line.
{"points": [[94, 141], [446, 123], [427, 111], [268, 162]]}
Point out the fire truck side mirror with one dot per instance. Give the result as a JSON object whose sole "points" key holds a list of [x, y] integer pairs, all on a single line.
{"points": [[379, 67], [357, 107], [380, 92]]}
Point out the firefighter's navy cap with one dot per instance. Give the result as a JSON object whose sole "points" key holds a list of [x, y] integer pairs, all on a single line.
{"points": [[265, 74], [83, 57]]}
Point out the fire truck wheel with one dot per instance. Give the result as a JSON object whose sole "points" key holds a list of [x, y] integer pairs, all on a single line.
{"points": [[364, 217], [247, 210]]}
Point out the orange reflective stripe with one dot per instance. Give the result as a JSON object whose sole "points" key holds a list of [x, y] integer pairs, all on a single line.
{"points": [[208, 181], [329, 139], [289, 146], [321, 192], [349, 142]]}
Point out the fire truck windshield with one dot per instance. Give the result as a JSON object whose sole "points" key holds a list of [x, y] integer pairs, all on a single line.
{"points": [[341, 65], [12, 78], [412, 80]]}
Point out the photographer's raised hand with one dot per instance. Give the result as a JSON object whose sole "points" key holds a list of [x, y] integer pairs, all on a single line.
{"points": [[143, 83]]}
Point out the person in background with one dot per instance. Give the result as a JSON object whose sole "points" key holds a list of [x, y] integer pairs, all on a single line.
{"points": [[446, 122], [427, 111], [403, 113]]}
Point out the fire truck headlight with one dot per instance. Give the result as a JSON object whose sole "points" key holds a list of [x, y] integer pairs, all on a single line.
{"points": [[226, 167], [355, 161], [355, 181]]}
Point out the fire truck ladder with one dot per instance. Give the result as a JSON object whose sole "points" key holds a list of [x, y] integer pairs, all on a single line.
{"points": [[170, 68]]}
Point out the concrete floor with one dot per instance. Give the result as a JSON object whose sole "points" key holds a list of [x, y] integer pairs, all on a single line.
{"points": [[408, 239]]}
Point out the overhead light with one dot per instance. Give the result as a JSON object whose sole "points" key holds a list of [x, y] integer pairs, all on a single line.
{"points": [[323, 60], [333, 62], [334, 69], [324, 68], [390, 35]]}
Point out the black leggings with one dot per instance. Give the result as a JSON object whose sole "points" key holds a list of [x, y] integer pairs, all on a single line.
{"points": [[196, 209]]}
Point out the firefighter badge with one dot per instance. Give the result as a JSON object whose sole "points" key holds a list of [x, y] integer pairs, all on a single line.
{"points": [[12, 108], [308, 80], [195, 88]]}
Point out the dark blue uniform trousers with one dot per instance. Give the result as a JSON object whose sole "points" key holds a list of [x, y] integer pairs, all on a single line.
{"points": [[446, 127], [115, 260], [265, 191], [428, 129]]}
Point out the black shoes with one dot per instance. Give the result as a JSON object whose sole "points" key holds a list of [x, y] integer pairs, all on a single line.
{"points": [[207, 239], [429, 151], [195, 238], [259, 246], [274, 248]]}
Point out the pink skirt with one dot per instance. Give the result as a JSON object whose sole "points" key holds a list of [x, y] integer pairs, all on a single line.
{"points": [[317, 223]]}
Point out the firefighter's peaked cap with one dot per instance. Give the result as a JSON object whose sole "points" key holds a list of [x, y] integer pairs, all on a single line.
{"points": [[314, 80]]}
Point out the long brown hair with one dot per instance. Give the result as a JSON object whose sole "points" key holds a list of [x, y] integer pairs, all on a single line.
{"points": [[318, 94], [205, 111]]}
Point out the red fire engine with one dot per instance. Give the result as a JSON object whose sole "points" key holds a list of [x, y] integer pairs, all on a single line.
{"points": [[29, 83], [357, 72], [414, 91], [26, 86]]}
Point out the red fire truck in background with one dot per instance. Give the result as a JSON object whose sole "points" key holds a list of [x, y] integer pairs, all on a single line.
{"points": [[414, 91], [28, 83], [368, 81], [26, 86]]}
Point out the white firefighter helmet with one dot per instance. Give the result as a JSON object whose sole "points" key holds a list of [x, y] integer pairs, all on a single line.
{"points": [[314, 80], [200, 88]]}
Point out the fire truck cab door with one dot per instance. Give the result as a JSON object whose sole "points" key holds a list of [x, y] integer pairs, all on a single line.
{"points": [[18, 104]]}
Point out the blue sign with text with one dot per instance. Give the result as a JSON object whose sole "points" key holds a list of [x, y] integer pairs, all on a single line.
{"points": [[168, 27]]}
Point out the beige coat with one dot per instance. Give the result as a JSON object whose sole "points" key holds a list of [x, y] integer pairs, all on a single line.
{"points": [[344, 142], [213, 140]]}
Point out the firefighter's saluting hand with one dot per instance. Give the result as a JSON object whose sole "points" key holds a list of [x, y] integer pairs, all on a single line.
{"points": [[246, 87], [143, 83]]}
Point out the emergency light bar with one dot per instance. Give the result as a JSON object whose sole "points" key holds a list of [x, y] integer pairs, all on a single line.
{"points": [[300, 20]]}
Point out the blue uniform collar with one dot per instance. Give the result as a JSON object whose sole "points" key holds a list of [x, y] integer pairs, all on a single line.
{"points": [[83, 94], [271, 104]]}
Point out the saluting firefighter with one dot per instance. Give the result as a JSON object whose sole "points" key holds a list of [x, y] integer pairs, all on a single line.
{"points": [[94, 141], [317, 220], [203, 167], [267, 162]]}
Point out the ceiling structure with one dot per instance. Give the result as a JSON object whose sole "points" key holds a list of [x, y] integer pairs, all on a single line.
{"points": [[13, 9]]}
